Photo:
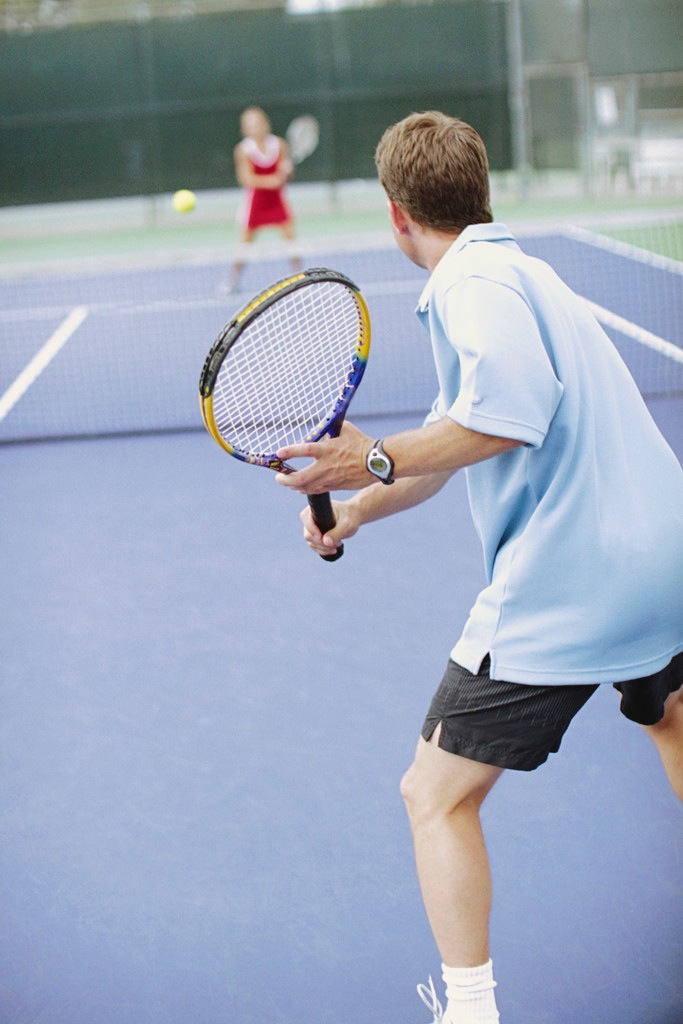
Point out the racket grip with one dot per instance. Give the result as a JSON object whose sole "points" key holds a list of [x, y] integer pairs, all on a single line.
{"points": [[321, 507]]}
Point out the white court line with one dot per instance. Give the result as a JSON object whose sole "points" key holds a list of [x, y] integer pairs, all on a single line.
{"points": [[631, 330], [42, 359], [627, 249]]}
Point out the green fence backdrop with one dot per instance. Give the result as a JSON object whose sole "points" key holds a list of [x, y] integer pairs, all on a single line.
{"points": [[128, 107]]}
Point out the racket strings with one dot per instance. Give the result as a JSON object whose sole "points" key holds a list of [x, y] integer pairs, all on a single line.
{"points": [[285, 374]]}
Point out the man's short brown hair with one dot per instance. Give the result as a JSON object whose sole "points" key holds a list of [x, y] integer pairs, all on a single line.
{"points": [[436, 169]]}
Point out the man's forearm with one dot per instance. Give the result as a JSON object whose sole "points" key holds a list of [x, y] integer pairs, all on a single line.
{"points": [[444, 446], [340, 464], [378, 500]]}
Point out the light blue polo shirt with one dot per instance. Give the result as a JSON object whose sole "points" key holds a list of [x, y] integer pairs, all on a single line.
{"points": [[582, 528]]}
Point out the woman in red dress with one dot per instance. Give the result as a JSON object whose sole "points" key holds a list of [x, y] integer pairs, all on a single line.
{"points": [[263, 167]]}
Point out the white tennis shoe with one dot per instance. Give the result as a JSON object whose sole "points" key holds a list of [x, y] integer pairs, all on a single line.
{"points": [[427, 994]]}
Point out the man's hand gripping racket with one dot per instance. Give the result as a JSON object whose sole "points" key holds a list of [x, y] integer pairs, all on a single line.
{"points": [[284, 371]]}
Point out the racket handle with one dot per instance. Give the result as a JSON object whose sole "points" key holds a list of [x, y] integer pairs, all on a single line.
{"points": [[321, 507]]}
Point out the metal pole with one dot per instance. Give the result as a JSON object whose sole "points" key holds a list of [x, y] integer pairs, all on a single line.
{"points": [[518, 97], [585, 112]]}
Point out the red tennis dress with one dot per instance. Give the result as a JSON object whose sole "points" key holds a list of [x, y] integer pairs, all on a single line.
{"points": [[263, 207]]}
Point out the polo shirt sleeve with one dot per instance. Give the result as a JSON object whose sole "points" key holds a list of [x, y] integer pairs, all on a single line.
{"points": [[508, 384]]}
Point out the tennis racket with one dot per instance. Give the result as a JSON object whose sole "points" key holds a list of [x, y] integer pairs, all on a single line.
{"points": [[284, 371], [302, 137]]}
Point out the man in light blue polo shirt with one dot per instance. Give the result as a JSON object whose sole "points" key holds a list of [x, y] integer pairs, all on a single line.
{"points": [[578, 554], [578, 502]]}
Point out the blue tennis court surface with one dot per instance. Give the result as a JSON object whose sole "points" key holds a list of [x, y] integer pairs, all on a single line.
{"points": [[204, 726], [131, 366]]}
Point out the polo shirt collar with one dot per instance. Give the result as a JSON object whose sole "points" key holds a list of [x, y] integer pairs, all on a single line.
{"points": [[495, 232]]}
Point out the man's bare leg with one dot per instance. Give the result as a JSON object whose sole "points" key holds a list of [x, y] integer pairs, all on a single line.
{"points": [[443, 794], [667, 736]]}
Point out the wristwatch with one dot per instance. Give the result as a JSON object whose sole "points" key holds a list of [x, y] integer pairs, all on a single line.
{"points": [[380, 464]]}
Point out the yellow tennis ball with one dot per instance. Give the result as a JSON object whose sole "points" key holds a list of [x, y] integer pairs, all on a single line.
{"points": [[184, 200]]}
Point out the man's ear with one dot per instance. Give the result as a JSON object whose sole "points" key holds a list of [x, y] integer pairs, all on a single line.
{"points": [[399, 218]]}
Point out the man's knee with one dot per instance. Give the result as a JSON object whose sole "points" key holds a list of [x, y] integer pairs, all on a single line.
{"points": [[415, 789], [438, 782], [417, 784], [420, 795], [407, 788]]}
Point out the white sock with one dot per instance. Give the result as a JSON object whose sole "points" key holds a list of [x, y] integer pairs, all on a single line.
{"points": [[471, 999]]}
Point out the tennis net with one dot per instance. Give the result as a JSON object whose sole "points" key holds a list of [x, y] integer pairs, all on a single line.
{"points": [[117, 349]]}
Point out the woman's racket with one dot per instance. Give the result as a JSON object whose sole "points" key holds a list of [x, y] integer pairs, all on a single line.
{"points": [[302, 136], [284, 371]]}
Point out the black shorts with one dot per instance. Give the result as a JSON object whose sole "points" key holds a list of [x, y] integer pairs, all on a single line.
{"points": [[513, 725]]}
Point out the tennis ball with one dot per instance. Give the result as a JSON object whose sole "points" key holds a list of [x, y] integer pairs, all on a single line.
{"points": [[184, 200]]}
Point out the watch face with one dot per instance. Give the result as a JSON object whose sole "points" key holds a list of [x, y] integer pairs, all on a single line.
{"points": [[378, 464]]}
